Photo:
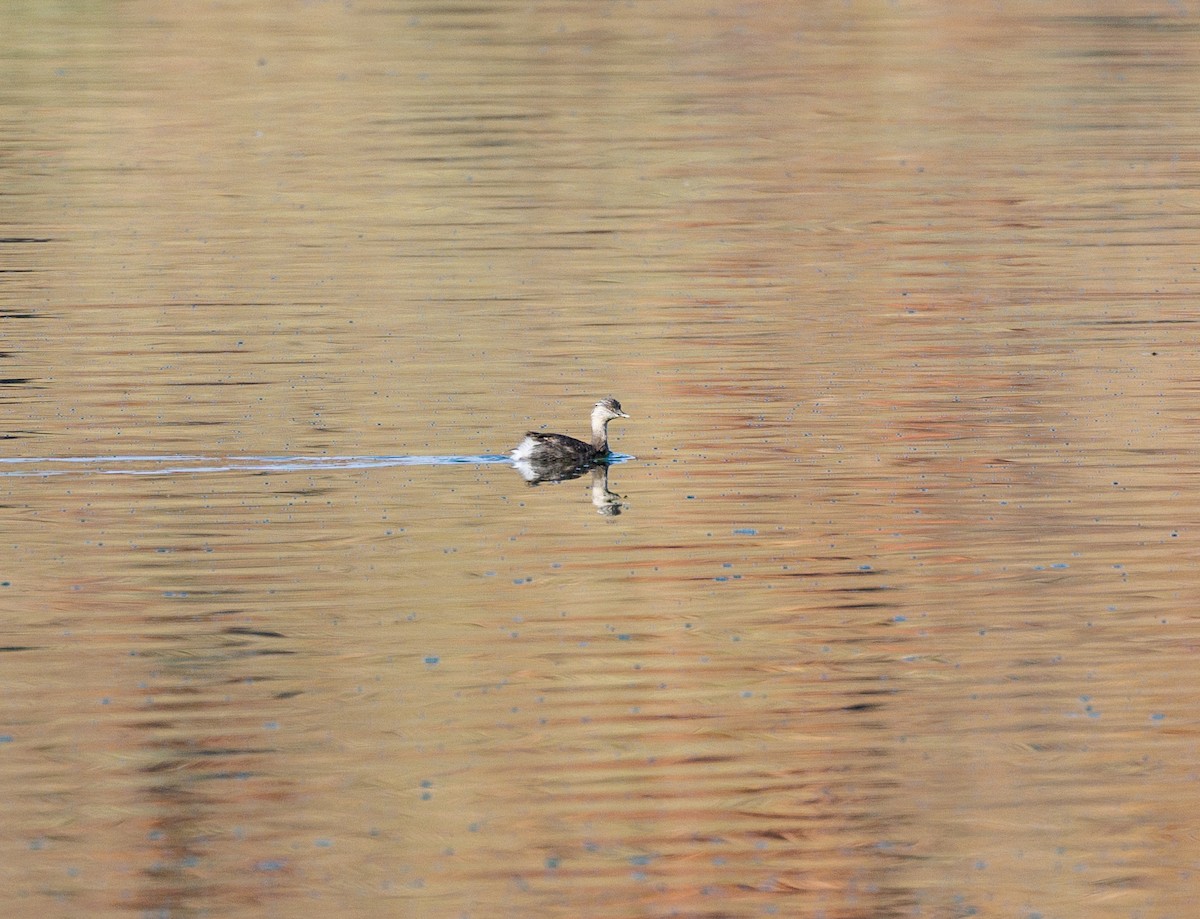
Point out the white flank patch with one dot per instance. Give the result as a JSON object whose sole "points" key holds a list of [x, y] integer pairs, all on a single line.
{"points": [[524, 449]]}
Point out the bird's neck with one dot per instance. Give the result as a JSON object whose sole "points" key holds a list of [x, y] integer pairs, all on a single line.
{"points": [[599, 434]]}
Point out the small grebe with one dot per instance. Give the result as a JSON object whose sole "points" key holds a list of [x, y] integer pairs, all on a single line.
{"points": [[561, 450]]}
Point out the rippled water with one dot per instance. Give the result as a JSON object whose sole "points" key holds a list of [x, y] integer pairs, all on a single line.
{"points": [[886, 610]]}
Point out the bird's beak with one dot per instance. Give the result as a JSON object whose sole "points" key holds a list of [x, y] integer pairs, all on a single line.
{"points": [[623, 415]]}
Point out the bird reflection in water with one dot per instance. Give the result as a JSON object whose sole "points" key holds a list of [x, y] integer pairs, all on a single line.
{"points": [[608, 503]]}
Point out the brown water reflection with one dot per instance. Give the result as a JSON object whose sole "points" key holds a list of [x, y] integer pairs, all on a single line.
{"points": [[896, 615]]}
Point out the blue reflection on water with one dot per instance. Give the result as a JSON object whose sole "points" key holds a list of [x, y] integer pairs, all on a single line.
{"points": [[40, 466]]}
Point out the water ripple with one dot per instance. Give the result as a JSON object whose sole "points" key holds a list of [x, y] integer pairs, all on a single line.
{"points": [[174, 464]]}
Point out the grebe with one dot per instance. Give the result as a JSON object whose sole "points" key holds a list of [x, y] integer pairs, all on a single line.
{"points": [[559, 450]]}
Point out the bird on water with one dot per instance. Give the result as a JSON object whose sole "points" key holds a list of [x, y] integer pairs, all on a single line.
{"points": [[559, 450]]}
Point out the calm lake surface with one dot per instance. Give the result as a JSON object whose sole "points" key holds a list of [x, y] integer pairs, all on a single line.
{"points": [[893, 611]]}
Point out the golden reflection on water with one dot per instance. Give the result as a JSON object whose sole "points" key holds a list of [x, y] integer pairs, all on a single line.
{"points": [[896, 613]]}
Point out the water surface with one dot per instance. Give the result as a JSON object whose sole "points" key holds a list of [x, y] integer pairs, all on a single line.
{"points": [[887, 613]]}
